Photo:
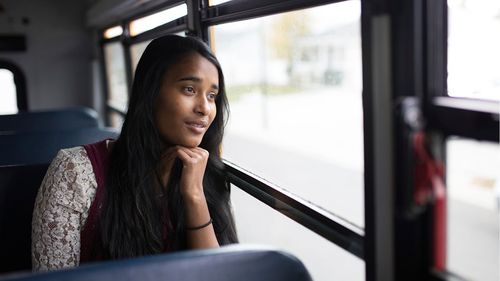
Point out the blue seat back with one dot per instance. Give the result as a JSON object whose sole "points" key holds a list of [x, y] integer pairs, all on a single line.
{"points": [[61, 119], [18, 188], [25, 148], [230, 263]]}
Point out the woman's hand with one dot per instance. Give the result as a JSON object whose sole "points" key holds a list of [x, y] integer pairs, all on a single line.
{"points": [[194, 161]]}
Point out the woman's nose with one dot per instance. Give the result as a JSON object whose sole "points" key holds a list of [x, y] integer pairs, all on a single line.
{"points": [[202, 106]]}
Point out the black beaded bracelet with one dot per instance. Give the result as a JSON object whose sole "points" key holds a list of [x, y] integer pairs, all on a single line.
{"points": [[200, 226]]}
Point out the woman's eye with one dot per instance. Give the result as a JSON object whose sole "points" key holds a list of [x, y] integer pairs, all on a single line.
{"points": [[189, 89], [212, 96]]}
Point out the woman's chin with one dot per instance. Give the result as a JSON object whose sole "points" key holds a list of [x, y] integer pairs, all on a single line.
{"points": [[190, 143]]}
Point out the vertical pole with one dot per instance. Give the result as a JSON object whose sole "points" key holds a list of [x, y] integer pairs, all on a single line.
{"points": [[378, 139], [194, 18]]}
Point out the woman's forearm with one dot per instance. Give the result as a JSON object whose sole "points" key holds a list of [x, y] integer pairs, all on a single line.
{"points": [[197, 216]]}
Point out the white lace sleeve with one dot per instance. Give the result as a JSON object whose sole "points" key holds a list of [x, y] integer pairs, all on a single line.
{"points": [[60, 211]]}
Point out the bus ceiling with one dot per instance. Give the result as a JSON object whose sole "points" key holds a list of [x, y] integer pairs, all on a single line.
{"points": [[106, 12]]}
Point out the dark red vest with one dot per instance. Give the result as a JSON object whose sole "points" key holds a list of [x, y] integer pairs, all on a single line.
{"points": [[91, 248], [90, 242]]}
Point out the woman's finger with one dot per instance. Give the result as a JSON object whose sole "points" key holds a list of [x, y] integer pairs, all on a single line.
{"points": [[184, 155], [201, 150], [195, 153]]}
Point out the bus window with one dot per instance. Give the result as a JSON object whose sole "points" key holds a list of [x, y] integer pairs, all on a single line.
{"points": [[115, 71], [473, 182], [136, 51], [473, 57], [113, 32], [217, 2], [473, 186], [294, 85], [8, 96], [141, 25], [257, 223]]}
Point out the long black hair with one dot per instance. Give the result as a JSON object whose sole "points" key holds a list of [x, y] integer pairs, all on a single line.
{"points": [[134, 221]]}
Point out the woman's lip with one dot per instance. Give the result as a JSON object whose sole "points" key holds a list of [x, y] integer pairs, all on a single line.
{"points": [[198, 128]]}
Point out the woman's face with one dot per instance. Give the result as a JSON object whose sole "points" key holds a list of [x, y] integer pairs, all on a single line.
{"points": [[185, 107]]}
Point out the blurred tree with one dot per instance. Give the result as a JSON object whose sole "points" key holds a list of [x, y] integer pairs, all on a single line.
{"points": [[286, 29]]}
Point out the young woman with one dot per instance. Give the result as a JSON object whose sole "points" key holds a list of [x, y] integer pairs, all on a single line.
{"points": [[160, 186]]}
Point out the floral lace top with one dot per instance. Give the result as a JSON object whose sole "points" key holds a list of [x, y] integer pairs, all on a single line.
{"points": [[61, 209]]}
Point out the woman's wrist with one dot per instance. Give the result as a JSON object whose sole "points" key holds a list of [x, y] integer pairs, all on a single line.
{"points": [[194, 196], [198, 227]]}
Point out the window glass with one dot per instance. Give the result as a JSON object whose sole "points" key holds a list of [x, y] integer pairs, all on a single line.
{"points": [[113, 32], [473, 184], [141, 25], [8, 92], [136, 51], [116, 76], [217, 2], [294, 85], [473, 44], [257, 223]]}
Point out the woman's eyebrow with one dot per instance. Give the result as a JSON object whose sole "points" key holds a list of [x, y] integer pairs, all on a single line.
{"points": [[197, 80], [190, 78]]}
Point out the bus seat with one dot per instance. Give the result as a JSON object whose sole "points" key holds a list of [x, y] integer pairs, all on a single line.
{"points": [[24, 148], [18, 188], [61, 119], [229, 263]]}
